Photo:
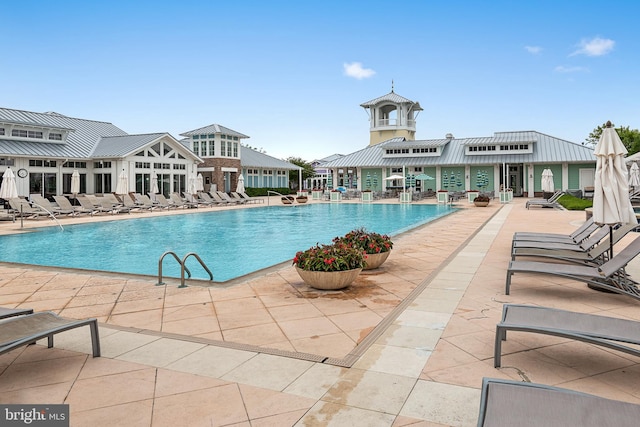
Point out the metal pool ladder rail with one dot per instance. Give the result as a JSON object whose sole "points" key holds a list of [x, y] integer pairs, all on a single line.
{"points": [[183, 267]]}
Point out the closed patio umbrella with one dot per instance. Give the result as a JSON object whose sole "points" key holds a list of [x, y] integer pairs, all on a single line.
{"points": [[611, 202], [634, 175], [122, 188], [199, 183], [75, 183], [240, 187], [193, 185], [154, 186], [547, 181], [8, 189]]}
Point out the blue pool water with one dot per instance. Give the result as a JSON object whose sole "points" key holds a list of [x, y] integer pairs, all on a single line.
{"points": [[232, 243]]}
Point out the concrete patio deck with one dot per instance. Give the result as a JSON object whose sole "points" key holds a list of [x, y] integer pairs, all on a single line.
{"points": [[407, 345]]}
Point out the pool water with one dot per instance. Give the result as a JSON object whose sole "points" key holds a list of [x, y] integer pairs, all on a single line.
{"points": [[232, 243]]}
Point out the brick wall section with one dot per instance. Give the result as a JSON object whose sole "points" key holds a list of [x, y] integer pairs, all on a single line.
{"points": [[217, 176]]}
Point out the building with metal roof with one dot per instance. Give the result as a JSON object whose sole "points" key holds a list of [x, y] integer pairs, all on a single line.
{"points": [[45, 148], [481, 163]]}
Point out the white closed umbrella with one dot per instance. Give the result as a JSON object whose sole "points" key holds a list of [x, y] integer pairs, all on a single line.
{"points": [[240, 187], [547, 181], [634, 175], [122, 188], [199, 183], [8, 189], [193, 186], [154, 186], [75, 183], [611, 202]]}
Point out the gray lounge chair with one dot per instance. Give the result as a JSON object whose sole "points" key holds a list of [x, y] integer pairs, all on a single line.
{"points": [[235, 196], [601, 234], [26, 329], [64, 203], [196, 200], [224, 196], [608, 332], [508, 403], [551, 202], [87, 205], [177, 200], [595, 255], [250, 199], [206, 198], [164, 203], [45, 204], [22, 208], [215, 196], [610, 276], [577, 236], [5, 313]]}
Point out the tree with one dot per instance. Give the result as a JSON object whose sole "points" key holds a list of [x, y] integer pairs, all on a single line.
{"points": [[629, 137], [307, 171]]}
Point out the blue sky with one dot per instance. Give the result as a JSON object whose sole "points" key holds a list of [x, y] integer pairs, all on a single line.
{"points": [[292, 74]]}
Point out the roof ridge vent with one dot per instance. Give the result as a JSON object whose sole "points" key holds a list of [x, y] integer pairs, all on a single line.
{"points": [[449, 136]]}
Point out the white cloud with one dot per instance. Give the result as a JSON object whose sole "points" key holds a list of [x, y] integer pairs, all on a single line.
{"points": [[355, 70], [594, 47], [563, 69], [534, 50]]}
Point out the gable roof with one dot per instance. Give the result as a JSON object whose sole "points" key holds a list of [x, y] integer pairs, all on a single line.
{"points": [[254, 159], [546, 149], [122, 146], [83, 135], [393, 98], [214, 128]]}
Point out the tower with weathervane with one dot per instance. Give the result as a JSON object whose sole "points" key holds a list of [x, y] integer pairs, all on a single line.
{"points": [[391, 116]]}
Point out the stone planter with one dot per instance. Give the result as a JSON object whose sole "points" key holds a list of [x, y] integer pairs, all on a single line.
{"points": [[376, 260], [287, 200], [481, 204], [367, 196], [471, 195], [316, 195], [405, 197], [328, 280], [301, 199]]}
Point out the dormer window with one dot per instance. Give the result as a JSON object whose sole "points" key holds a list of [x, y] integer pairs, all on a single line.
{"points": [[21, 133], [55, 136]]}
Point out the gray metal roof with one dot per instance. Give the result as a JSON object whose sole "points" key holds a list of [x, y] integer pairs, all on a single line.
{"points": [[391, 97], [423, 143], [82, 138], [122, 146], [546, 149], [250, 158], [214, 128]]}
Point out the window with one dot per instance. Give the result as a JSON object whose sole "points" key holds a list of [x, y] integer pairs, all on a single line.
{"points": [[424, 150], [55, 136], [228, 149], [78, 165], [27, 133], [162, 166], [101, 165], [196, 148], [203, 136], [1, 131], [179, 167], [143, 165], [6, 162], [223, 148], [212, 147], [235, 149], [43, 163], [398, 151], [196, 136]]}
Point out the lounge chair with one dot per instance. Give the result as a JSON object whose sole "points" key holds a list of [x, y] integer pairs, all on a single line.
{"points": [[577, 236], [224, 196], [508, 403], [551, 202], [26, 329], [608, 332], [45, 204], [64, 203], [206, 198], [250, 199], [23, 209], [164, 203], [177, 200], [87, 204], [195, 200], [132, 205], [235, 196], [610, 276], [595, 255], [5, 313], [601, 234], [215, 196], [144, 201]]}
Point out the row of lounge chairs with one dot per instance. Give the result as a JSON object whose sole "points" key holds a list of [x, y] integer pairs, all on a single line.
{"points": [[583, 256]]}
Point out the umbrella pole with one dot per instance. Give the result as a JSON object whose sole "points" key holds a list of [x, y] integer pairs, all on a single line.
{"points": [[610, 241]]}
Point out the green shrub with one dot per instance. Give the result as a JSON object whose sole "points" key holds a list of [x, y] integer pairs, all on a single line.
{"points": [[261, 192], [573, 203]]}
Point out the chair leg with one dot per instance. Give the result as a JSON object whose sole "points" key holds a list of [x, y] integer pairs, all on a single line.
{"points": [[497, 349], [508, 282], [95, 338]]}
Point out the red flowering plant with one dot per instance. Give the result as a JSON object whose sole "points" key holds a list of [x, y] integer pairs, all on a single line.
{"points": [[367, 241], [337, 257]]}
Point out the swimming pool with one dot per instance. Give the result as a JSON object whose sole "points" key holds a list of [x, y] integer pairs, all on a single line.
{"points": [[232, 243]]}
